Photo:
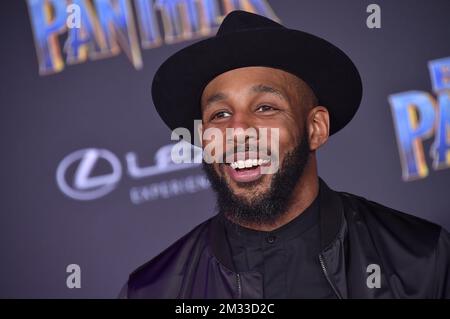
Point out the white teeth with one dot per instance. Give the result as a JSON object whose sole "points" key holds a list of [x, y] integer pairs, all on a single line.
{"points": [[248, 163]]}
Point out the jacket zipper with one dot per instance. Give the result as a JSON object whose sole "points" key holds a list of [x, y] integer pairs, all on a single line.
{"points": [[325, 272], [239, 288]]}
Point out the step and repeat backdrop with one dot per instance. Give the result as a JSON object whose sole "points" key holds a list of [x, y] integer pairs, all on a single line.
{"points": [[88, 188]]}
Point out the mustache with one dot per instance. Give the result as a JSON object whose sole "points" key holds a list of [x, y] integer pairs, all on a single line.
{"points": [[230, 152], [246, 148], [246, 151]]}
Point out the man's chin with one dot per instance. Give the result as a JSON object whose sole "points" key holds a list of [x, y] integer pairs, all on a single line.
{"points": [[249, 190]]}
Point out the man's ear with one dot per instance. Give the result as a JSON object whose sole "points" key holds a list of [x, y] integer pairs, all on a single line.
{"points": [[318, 127]]}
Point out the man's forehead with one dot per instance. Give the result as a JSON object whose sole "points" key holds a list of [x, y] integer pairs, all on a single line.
{"points": [[254, 73], [254, 80]]}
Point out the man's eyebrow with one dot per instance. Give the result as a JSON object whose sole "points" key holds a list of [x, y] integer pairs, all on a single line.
{"points": [[261, 88], [217, 97]]}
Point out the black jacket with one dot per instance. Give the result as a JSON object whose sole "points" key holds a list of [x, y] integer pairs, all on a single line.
{"points": [[413, 256]]}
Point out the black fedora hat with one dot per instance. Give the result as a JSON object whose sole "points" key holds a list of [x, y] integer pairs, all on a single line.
{"points": [[245, 39]]}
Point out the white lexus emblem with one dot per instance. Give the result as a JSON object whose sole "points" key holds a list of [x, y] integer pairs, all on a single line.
{"points": [[84, 185]]}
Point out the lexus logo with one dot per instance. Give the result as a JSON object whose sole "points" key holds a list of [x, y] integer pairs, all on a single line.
{"points": [[83, 185]]}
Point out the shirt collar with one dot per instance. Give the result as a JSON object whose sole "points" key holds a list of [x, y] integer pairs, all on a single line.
{"points": [[250, 237]]}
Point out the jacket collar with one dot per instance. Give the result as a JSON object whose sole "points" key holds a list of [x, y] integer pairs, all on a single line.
{"points": [[333, 229], [331, 224], [331, 215], [220, 246]]}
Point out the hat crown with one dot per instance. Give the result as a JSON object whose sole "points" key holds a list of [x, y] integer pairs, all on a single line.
{"points": [[239, 20], [247, 40]]}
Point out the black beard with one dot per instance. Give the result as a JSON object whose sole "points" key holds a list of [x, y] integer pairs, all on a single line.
{"points": [[263, 209]]}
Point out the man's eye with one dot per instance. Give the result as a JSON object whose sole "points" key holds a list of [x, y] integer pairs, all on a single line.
{"points": [[220, 115], [265, 108]]}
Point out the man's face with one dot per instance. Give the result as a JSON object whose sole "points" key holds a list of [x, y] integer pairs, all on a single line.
{"points": [[255, 97]]}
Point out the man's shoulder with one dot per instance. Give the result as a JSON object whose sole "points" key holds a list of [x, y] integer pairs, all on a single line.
{"points": [[159, 273], [409, 249], [389, 223]]}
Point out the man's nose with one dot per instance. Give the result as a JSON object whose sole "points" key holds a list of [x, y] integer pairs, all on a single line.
{"points": [[241, 120], [242, 131]]}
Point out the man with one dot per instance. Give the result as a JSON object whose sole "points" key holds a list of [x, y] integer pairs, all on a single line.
{"points": [[283, 234]]}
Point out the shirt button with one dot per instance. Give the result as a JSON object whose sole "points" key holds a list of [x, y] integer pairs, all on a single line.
{"points": [[271, 239]]}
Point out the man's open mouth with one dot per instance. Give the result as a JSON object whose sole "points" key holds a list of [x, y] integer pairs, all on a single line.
{"points": [[249, 163], [247, 170]]}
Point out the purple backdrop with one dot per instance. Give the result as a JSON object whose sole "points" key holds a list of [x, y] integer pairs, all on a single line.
{"points": [[102, 110]]}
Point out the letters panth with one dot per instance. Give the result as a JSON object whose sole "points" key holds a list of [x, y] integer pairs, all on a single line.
{"points": [[99, 29]]}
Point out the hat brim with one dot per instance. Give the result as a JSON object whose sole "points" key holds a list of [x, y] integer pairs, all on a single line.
{"points": [[179, 82]]}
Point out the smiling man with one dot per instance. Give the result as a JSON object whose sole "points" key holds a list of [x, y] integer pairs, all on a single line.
{"points": [[263, 97], [283, 234]]}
